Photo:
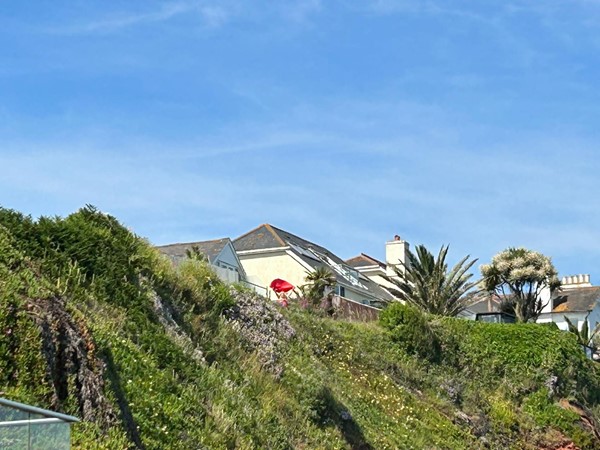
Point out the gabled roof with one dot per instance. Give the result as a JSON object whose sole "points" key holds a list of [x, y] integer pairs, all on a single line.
{"points": [[262, 237], [267, 236], [576, 299], [364, 260], [211, 249]]}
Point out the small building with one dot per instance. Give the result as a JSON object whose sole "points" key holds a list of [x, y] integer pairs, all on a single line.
{"points": [[219, 253], [487, 304], [494, 317], [24, 427]]}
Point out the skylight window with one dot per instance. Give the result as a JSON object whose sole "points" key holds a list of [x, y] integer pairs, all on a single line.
{"points": [[304, 251]]}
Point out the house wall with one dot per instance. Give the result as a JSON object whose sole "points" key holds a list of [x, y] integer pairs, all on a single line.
{"points": [[545, 297], [229, 257], [559, 319], [356, 295], [228, 267], [263, 268], [227, 275], [594, 317]]}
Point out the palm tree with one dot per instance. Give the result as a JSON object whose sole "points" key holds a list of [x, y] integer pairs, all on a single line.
{"points": [[425, 282], [318, 281]]}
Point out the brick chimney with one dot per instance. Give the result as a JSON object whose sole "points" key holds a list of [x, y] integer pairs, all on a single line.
{"points": [[395, 253]]}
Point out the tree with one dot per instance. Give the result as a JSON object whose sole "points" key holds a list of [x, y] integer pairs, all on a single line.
{"points": [[319, 281], [520, 276], [427, 284]]}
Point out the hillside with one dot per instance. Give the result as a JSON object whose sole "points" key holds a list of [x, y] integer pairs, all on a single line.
{"points": [[95, 323]]}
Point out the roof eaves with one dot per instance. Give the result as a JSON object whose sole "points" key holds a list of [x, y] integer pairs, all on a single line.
{"points": [[375, 260]]}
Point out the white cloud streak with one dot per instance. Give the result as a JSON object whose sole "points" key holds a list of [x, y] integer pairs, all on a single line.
{"points": [[333, 180], [211, 15]]}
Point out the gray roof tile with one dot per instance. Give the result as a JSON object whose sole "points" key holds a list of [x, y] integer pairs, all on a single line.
{"points": [[210, 249], [576, 299]]}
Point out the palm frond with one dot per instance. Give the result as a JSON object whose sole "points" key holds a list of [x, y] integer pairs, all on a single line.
{"points": [[425, 282]]}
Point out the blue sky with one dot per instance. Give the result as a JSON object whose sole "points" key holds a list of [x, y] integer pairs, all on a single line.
{"points": [[346, 122]]}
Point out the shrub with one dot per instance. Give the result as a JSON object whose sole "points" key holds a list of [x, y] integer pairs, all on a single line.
{"points": [[410, 329], [522, 356]]}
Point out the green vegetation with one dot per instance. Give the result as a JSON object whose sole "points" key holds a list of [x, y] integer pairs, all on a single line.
{"points": [[95, 323], [318, 282], [585, 336], [426, 283]]}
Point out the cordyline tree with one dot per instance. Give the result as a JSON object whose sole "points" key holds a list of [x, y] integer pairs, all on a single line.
{"points": [[426, 283], [519, 276]]}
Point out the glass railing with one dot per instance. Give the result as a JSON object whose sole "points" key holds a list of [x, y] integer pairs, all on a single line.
{"points": [[24, 427]]}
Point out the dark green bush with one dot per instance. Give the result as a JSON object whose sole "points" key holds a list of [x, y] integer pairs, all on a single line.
{"points": [[410, 329], [522, 354]]}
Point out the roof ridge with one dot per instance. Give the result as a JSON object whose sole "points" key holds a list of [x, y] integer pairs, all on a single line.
{"points": [[249, 232], [270, 227], [191, 242], [373, 259], [302, 239]]}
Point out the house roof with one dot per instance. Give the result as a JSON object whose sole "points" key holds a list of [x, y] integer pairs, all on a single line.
{"points": [[261, 237], [576, 299], [364, 260], [211, 249], [268, 236], [489, 303]]}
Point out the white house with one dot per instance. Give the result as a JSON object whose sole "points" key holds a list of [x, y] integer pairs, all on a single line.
{"points": [[578, 300], [268, 253]]}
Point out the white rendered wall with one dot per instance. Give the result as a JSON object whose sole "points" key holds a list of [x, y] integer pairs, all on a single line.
{"points": [[395, 251]]}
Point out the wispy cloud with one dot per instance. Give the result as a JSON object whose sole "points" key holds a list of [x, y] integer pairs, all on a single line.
{"points": [[212, 15], [301, 10], [335, 182]]}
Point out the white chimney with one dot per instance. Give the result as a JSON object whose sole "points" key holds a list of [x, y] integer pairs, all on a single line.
{"points": [[395, 255], [576, 281]]}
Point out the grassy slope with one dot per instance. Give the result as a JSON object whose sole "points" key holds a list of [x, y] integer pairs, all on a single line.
{"points": [[343, 385]]}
